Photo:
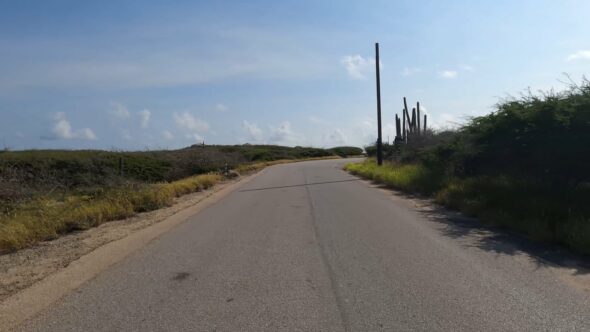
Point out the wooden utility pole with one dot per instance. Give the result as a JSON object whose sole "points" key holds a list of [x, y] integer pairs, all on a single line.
{"points": [[379, 139]]}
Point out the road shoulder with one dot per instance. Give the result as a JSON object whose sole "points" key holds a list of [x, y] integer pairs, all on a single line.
{"points": [[571, 268], [34, 278]]}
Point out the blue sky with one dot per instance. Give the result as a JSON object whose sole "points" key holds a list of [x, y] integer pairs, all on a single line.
{"points": [[167, 74]]}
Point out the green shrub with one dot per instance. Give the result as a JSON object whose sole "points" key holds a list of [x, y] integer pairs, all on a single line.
{"points": [[540, 211], [346, 151], [524, 166], [409, 177]]}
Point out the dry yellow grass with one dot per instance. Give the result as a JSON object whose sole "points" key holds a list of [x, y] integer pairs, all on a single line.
{"points": [[46, 219]]}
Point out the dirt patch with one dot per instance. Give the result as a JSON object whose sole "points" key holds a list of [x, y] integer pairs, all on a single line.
{"points": [[23, 268]]}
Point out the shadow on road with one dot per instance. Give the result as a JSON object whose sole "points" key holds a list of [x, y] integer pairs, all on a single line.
{"points": [[501, 241]]}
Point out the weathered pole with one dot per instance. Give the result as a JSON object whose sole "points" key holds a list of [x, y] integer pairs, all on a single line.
{"points": [[379, 139]]}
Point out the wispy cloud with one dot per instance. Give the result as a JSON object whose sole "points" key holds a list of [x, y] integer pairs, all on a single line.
{"points": [[450, 74], [144, 118], [167, 135], [411, 71], [233, 52], [358, 67], [316, 120], [193, 127], [194, 137], [221, 107], [335, 138], [468, 68], [119, 111], [126, 135], [579, 55], [63, 130], [253, 133], [284, 134]]}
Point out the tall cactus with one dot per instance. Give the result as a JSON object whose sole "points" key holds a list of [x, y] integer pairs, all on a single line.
{"points": [[416, 124], [418, 116]]}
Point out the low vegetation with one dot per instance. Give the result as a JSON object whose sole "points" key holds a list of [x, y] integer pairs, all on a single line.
{"points": [[45, 218], [346, 151], [46, 193], [252, 167], [524, 166]]}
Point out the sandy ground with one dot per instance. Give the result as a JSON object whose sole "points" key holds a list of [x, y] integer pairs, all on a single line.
{"points": [[23, 268]]}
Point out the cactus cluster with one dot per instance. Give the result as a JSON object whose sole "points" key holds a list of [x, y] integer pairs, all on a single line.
{"points": [[407, 126]]}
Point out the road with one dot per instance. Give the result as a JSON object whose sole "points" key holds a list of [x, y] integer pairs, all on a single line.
{"points": [[308, 247]]}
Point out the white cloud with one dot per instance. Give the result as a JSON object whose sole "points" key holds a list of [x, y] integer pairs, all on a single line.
{"points": [[144, 118], [364, 131], [255, 53], [468, 68], [411, 71], [221, 107], [443, 121], [167, 135], [448, 74], [86, 134], [316, 120], [335, 138], [63, 130], [283, 134], [579, 55], [194, 137], [357, 66], [126, 135], [253, 133], [188, 122], [119, 111], [193, 128]]}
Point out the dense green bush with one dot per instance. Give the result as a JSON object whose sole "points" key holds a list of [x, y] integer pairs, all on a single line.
{"points": [[543, 138], [524, 166], [371, 150], [346, 151]]}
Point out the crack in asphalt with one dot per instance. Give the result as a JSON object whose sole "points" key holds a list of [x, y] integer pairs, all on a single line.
{"points": [[298, 185]]}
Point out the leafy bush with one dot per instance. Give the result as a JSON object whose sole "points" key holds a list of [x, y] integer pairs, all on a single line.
{"points": [[543, 138], [371, 150], [346, 151], [524, 166]]}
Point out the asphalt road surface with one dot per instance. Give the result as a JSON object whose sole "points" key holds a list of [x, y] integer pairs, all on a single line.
{"points": [[308, 247]]}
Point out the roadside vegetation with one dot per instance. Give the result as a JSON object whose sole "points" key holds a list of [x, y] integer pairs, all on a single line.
{"points": [[47, 193], [524, 167], [346, 151]]}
